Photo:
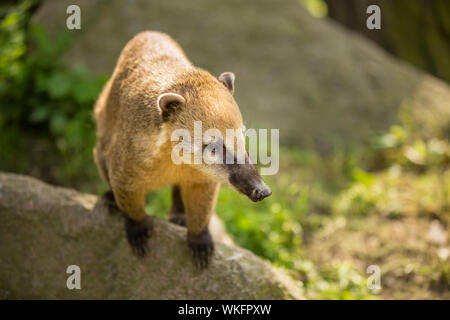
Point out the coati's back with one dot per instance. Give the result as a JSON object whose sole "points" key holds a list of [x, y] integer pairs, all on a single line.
{"points": [[147, 66], [151, 58]]}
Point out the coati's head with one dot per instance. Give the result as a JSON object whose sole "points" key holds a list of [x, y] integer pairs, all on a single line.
{"points": [[201, 116]]}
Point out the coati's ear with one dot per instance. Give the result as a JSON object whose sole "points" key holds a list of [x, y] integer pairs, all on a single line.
{"points": [[168, 103], [227, 79]]}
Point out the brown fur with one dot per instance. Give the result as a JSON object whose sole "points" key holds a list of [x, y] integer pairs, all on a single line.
{"points": [[133, 150], [129, 126]]}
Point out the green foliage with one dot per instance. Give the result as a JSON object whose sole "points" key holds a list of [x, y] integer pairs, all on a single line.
{"points": [[271, 228], [278, 227], [413, 166], [406, 146], [46, 107]]}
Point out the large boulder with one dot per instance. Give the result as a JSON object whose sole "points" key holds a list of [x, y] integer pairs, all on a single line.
{"points": [[45, 229], [318, 83]]}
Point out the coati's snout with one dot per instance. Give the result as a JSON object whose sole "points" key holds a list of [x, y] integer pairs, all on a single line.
{"points": [[246, 179]]}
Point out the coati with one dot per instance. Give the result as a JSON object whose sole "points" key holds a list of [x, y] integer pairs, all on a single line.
{"points": [[153, 91]]}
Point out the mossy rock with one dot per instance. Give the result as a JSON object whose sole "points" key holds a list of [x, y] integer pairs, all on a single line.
{"points": [[45, 229]]}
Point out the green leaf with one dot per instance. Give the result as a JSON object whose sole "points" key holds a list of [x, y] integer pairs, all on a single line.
{"points": [[40, 114], [57, 123], [58, 85], [363, 177]]}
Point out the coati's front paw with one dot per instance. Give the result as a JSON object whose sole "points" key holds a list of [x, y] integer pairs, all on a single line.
{"points": [[202, 248], [138, 233]]}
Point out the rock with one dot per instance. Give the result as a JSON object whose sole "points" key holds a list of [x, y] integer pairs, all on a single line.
{"points": [[320, 84], [45, 229]]}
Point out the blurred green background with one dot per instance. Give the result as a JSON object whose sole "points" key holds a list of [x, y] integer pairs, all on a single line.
{"points": [[339, 203]]}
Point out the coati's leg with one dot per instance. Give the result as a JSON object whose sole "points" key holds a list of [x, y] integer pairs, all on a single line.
{"points": [[176, 213], [137, 225], [109, 201], [108, 197], [101, 163], [199, 202]]}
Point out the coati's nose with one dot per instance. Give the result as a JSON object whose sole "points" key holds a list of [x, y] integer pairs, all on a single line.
{"points": [[260, 193], [246, 180]]}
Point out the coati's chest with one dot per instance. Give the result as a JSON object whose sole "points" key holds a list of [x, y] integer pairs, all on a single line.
{"points": [[162, 172]]}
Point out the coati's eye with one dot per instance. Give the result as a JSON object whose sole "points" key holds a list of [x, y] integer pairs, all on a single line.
{"points": [[212, 149]]}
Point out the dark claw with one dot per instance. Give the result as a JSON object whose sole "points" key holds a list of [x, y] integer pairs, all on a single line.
{"points": [[202, 248], [137, 235]]}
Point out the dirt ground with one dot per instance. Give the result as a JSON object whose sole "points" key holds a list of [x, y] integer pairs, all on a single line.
{"points": [[412, 252]]}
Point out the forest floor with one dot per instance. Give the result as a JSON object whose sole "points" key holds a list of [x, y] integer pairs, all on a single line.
{"points": [[328, 220], [412, 253]]}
